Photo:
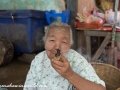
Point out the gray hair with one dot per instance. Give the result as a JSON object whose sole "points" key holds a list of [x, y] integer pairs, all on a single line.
{"points": [[59, 25]]}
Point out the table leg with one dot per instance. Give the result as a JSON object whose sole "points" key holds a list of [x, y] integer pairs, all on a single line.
{"points": [[102, 46], [88, 45]]}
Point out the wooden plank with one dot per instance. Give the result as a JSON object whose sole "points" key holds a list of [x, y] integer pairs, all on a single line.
{"points": [[81, 41], [88, 45], [102, 46], [109, 55], [115, 56], [114, 5], [73, 11], [95, 33]]}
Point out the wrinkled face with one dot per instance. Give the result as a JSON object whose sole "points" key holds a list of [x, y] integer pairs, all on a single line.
{"points": [[57, 39]]}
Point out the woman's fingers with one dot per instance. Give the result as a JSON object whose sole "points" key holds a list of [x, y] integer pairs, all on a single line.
{"points": [[63, 58], [57, 62]]}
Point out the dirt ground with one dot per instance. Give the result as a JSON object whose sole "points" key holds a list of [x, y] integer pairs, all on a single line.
{"points": [[14, 74]]}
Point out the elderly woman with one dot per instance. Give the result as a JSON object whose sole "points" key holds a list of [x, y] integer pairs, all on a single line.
{"points": [[48, 72]]}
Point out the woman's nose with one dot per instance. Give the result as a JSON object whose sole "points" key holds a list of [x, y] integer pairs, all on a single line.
{"points": [[57, 45]]}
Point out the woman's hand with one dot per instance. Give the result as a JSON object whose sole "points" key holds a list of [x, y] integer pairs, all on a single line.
{"points": [[62, 66]]}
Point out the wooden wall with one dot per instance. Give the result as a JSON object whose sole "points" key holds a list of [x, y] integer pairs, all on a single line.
{"points": [[77, 6], [72, 6], [89, 4], [118, 6]]}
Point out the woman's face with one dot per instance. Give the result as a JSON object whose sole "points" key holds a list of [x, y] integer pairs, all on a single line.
{"points": [[57, 39]]}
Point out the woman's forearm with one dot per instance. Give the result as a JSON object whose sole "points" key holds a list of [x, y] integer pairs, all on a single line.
{"points": [[82, 84]]}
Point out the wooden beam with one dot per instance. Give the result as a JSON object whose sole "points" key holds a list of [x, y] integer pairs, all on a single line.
{"points": [[88, 45], [95, 33], [102, 46], [72, 6]]}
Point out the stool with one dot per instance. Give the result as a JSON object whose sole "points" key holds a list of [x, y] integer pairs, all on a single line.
{"points": [[52, 16]]}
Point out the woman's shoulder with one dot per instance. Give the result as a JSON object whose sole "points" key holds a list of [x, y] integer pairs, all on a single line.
{"points": [[74, 53], [41, 54], [39, 57]]}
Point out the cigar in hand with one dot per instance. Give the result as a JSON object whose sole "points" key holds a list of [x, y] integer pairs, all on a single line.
{"points": [[58, 54]]}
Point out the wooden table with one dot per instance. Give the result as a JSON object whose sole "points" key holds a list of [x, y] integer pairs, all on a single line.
{"points": [[99, 33]]}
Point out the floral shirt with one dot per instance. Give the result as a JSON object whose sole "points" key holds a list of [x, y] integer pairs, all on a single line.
{"points": [[43, 76]]}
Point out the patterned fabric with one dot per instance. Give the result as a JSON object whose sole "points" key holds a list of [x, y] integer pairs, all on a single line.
{"points": [[57, 5], [43, 74]]}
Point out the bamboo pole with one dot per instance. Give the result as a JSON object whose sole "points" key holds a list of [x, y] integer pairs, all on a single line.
{"points": [[114, 32]]}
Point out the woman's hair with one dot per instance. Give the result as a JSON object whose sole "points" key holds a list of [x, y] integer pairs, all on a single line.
{"points": [[60, 26]]}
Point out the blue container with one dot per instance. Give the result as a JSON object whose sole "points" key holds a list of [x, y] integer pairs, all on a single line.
{"points": [[25, 28], [52, 16]]}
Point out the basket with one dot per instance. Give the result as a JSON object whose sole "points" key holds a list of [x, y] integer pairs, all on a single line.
{"points": [[109, 74], [118, 89]]}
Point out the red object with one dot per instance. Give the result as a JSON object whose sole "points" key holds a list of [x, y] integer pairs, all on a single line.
{"points": [[92, 25], [107, 28], [118, 61], [75, 24], [117, 29]]}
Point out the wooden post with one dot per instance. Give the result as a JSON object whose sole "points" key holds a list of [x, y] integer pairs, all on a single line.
{"points": [[114, 31], [115, 55], [72, 6], [114, 5]]}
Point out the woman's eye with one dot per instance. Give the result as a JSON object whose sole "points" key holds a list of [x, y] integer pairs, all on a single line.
{"points": [[64, 42], [52, 40]]}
